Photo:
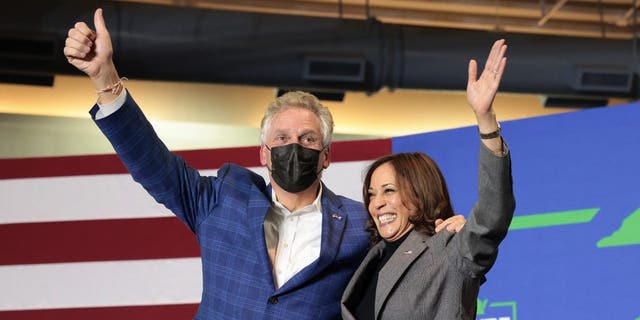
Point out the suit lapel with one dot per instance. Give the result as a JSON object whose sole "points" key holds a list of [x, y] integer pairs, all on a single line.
{"points": [[373, 255], [409, 251], [356, 284], [259, 204]]}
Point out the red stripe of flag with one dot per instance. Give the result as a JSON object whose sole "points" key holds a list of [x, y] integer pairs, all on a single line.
{"points": [[360, 150], [154, 312], [200, 159], [96, 240]]}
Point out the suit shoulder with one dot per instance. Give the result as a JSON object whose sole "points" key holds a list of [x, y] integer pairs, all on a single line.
{"points": [[354, 209], [350, 202], [343, 202], [240, 176]]}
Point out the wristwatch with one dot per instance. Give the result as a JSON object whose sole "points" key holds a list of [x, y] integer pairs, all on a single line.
{"points": [[490, 135]]}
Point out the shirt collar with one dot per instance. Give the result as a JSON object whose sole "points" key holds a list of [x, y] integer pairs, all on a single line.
{"points": [[315, 206]]}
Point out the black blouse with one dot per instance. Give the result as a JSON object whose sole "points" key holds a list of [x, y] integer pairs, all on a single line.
{"points": [[364, 309]]}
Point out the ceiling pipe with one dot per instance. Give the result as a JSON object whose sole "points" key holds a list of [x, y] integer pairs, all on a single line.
{"points": [[197, 45]]}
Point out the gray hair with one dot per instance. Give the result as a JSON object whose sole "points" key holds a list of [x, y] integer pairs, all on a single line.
{"points": [[298, 99]]}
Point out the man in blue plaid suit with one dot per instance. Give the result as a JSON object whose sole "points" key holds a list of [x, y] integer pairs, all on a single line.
{"points": [[285, 250]]}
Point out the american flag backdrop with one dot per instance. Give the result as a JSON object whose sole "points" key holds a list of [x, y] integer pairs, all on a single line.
{"points": [[79, 239]]}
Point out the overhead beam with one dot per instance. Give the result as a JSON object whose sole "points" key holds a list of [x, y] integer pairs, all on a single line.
{"points": [[579, 19], [556, 7], [625, 20]]}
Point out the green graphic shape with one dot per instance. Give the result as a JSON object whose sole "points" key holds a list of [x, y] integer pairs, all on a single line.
{"points": [[628, 234], [553, 219], [512, 304], [482, 307]]}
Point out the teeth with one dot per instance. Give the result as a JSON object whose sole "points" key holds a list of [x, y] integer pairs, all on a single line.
{"points": [[386, 218]]}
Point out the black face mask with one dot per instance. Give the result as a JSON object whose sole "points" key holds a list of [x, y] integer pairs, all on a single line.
{"points": [[293, 167]]}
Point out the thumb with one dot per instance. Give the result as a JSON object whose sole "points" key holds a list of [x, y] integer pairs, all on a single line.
{"points": [[98, 22]]}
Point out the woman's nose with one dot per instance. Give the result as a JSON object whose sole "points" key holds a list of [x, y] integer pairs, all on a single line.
{"points": [[378, 202]]}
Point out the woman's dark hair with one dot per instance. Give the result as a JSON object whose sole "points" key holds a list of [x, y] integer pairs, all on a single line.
{"points": [[421, 186]]}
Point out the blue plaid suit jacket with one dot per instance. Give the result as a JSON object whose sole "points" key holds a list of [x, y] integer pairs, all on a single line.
{"points": [[226, 212]]}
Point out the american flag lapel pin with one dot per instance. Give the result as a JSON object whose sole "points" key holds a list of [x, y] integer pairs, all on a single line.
{"points": [[336, 216]]}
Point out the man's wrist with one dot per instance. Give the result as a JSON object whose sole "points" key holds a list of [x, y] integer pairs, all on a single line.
{"points": [[111, 107], [107, 76]]}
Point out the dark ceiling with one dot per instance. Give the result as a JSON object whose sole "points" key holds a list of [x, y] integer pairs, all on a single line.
{"points": [[563, 48]]}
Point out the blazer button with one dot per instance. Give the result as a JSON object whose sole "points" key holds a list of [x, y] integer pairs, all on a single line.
{"points": [[273, 300]]}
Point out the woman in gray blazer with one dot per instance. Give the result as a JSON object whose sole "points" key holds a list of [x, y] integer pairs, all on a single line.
{"points": [[412, 272]]}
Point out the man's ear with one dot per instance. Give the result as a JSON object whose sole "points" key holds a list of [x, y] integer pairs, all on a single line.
{"points": [[263, 155], [327, 158]]}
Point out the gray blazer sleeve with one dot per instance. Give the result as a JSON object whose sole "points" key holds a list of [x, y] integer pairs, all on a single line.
{"points": [[476, 246]]}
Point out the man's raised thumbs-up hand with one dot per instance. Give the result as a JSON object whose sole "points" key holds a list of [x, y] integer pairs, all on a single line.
{"points": [[91, 52]]}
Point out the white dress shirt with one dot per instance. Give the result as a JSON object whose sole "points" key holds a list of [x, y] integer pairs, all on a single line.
{"points": [[293, 238]]}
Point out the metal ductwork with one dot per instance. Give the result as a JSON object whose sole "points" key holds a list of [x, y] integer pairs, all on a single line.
{"points": [[187, 44]]}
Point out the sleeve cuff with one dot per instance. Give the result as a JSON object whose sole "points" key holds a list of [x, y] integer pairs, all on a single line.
{"points": [[111, 107]]}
